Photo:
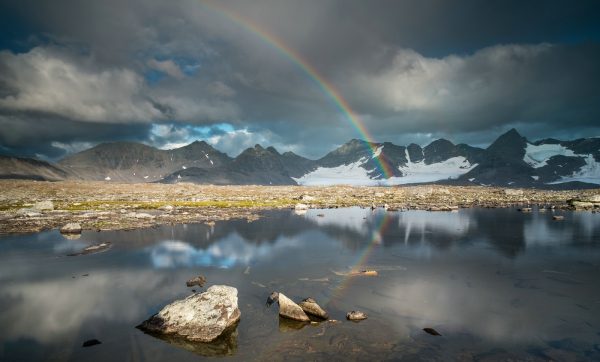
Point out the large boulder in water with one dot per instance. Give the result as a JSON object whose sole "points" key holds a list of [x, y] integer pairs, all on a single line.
{"points": [[201, 317], [291, 310]]}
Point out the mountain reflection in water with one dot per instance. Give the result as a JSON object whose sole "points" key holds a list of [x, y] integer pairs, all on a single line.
{"points": [[494, 282]]}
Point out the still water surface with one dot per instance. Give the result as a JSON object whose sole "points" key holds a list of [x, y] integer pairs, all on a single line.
{"points": [[496, 284]]}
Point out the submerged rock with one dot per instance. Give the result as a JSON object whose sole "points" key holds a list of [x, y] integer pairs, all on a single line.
{"points": [[558, 217], [92, 249], [71, 228], [291, 310], [356, 315], [199, 281], [311, 307], [432, 331], [200, 317], [91, 342]]}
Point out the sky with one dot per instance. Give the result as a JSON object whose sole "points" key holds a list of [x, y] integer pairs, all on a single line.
{"points": [[77, 73]]}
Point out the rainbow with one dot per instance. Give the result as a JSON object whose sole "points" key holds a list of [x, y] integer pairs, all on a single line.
{"points": [[326, 87]]}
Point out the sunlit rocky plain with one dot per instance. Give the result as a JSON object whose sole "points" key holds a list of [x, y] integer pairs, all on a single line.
{"points": [[29, 206]]}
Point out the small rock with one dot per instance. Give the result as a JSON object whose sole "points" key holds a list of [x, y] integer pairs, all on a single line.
{"points": [[432, 331], [291, 310], [310, 306], [43, 206], [524, 209], [581, 205], [274, 297], [379, 194], [300, 206], [200, 317], [91, 342], [71, 228], [143, 215], [356, 315], [558, 217], [307, 198], [513, 192], [167, 208], [199, 281]]}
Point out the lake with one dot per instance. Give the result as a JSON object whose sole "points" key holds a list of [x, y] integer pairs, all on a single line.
{"points": [[495, 283]]}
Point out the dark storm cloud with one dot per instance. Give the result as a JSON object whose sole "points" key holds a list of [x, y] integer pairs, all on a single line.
{"points": [[412, 70]]}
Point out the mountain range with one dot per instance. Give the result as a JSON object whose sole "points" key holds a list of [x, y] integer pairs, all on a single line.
{"points": [[511, 160]]}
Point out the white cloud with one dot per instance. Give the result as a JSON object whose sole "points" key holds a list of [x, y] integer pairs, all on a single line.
{"points": [[42, 80], [234, 142], [167, 66], [73, 147], [494, 86]]}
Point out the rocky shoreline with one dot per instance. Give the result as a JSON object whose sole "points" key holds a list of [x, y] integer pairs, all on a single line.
{"points": [[32, 206]]}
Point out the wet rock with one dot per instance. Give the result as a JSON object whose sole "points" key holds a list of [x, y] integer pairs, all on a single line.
{"points": [[524, 209], [93, 249], [558, 217], [274, 297], [201, 317], [291, 310], [432, 331], [91, 342], [311, 307], [43, 206], [366, 273], [356, 316], [199, 281], [71, 228], [300, 206], [71, 236]]}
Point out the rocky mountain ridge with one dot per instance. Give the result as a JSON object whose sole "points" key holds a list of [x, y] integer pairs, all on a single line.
{"points": [[511, 160]]}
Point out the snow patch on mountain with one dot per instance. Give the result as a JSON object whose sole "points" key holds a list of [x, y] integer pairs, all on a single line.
{"points": [[590, 172], [413, 172], [417, 172], [377, 152], [350, 174], [537, 156]]}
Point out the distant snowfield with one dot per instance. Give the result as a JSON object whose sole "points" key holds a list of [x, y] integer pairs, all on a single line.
{"points": [[538, 156], [417, 172], [590, 172], [351, 174]]}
